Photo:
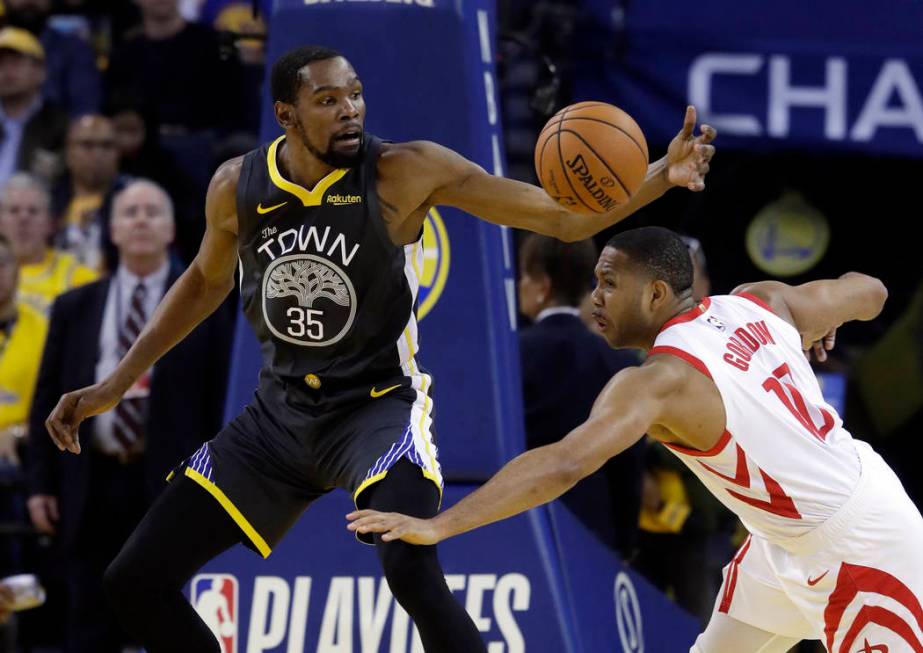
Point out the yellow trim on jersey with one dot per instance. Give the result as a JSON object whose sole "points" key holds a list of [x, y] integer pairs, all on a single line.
{"points": [[232, 510], [424, 414], [308, 197], [372, 480]]}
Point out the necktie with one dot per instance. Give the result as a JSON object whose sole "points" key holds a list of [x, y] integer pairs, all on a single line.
{"points": [[131, 411]]}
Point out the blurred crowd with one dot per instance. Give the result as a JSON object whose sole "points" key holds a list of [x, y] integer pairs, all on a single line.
{"points": [[113, 115]]}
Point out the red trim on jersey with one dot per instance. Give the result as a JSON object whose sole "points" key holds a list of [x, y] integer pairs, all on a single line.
{"points": [[854, 579], [688, 316], [756, 300], [714, 451], [779, 503], [874, 614], [730, 583], [679, 353]]}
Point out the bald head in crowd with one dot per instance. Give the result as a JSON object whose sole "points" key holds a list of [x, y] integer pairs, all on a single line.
{"points": [[142, 226]]}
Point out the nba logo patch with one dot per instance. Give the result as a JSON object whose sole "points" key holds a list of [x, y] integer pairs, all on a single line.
{"points": [[716, 323], [214, 597]]}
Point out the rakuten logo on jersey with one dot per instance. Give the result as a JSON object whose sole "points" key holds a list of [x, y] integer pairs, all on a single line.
{"points": [[359, 615], [214, 596]]}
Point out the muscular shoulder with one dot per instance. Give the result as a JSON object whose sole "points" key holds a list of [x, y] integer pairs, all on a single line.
{"points": [[409, 159], [221, 200], [770, 292], [422, 162], [660, 376], [650, 384]]}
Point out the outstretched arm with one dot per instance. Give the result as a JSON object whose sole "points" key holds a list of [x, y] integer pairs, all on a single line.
{"points": [[624, 411], [194, 296], [817, 308], [450, 179]]}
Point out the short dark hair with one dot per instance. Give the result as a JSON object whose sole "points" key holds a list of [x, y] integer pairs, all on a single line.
{"points": [[284, 78], [569, 266], [659, 253]]}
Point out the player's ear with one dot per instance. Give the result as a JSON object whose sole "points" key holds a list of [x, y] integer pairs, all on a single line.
{"points": [[285, 114], [660, 293]]}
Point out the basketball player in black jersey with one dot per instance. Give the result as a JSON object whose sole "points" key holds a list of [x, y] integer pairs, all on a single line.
{"points": [[324, 227]]}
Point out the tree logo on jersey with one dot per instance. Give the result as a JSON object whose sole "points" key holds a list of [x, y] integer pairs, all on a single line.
{"points": [[307, 281], [307, 300]]}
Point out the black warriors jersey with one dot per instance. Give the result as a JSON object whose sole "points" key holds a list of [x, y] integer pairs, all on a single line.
{"points": [[322, 284]]}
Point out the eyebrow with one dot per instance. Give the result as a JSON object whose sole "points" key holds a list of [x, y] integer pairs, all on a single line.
{"points": [[329, 87]]}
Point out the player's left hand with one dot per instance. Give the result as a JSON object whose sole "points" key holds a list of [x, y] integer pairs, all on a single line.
{"points": [[393, 526], [688, 155], [820, 347]]}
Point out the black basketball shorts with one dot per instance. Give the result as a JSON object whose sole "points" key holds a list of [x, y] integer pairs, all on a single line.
{"points": [[291, 445]]}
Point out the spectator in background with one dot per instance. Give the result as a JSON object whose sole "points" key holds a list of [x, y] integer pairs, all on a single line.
{"points": [[685, 537], [249, 34], [140, 155], [82, 199], [25, 220], [31, 129], [701, 281], [174, 69], [22, 335], [564, 367], [73, 82], [93, 501]]}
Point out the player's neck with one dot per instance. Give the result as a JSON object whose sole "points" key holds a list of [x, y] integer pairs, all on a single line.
{"points": [[681, 305], [300, 166], [142, 266]]}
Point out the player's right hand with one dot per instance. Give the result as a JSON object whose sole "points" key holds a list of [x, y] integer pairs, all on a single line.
{"points": [[74, 407], [393, 526]]}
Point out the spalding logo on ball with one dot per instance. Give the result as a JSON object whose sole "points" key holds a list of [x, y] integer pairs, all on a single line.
{"points": [[591, 157]]}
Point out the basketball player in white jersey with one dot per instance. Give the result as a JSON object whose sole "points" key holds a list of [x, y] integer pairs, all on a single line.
{"points": [[836, 546]]}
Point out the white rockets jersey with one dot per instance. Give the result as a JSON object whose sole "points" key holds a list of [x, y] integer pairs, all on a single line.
{"points": [[785, 464]]}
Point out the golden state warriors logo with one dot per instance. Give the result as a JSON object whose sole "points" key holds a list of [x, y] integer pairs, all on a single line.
{"points": [[788, 237], [436, 260]]}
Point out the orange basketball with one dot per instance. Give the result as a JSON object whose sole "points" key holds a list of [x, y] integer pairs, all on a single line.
{"points": [[591, 157]]}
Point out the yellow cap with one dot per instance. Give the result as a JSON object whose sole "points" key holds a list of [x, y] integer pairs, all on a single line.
{"points": [[22, 41]]}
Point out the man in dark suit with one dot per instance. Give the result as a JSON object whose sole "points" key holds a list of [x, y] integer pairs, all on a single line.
{"points": [[564, 367], [92, 503]]}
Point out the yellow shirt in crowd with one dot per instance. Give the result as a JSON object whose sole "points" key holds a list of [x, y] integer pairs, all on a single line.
{"points": [[40, 283], [20, 356]]}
